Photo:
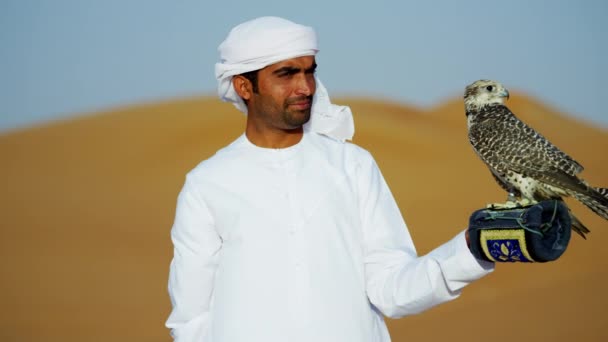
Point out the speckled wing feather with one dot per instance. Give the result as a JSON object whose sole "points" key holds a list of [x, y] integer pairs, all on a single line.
{"points": [[506, 144]]}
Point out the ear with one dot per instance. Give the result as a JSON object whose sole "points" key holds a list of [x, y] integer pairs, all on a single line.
{"points": [[242, 86]]}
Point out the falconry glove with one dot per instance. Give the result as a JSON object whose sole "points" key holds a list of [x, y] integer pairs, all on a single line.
{"points": [[535, 233]]}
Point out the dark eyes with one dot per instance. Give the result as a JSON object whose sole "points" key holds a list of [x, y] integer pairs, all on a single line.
{"points": [[490, 88], [287, 73]]}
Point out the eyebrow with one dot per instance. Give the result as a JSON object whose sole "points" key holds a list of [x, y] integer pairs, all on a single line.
{"points": [[293, 70]]}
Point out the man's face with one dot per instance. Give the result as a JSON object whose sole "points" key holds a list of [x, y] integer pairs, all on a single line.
{"points": [[285, 92]]}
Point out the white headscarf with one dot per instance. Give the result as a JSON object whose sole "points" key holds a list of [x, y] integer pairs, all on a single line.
{"points": [[260, 42]]}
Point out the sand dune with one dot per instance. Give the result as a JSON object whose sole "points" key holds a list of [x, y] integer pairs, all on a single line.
{"points": [[87, 206]]}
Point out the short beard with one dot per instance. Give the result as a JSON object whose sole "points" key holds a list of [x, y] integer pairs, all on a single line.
{"points": [[297, 118], [296, 121]]}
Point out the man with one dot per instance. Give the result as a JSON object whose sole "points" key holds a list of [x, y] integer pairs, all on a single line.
{"points": [[290, 233]]}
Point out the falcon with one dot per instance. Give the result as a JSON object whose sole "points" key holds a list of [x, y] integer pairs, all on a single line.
{"points": [[523, 162]]}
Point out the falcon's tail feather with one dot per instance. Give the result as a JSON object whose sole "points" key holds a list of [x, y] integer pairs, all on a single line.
{"points": [[578, 227], [596, 199]]}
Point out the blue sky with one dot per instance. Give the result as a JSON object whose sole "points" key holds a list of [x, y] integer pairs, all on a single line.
{"points": [[59, 58]]}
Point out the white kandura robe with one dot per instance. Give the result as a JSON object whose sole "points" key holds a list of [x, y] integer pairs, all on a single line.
{"points": [[304, 243]]}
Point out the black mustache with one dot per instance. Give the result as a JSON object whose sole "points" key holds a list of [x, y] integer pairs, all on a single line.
{"points": [[299, 99]]}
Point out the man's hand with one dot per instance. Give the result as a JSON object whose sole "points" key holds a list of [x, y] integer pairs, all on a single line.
{"points": [[535, 233]]}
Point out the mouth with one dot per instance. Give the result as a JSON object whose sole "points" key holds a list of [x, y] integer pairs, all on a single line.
{"points": [[301, 104]]}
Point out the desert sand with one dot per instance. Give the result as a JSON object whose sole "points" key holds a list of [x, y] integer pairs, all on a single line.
{"points": [[87, 206]]}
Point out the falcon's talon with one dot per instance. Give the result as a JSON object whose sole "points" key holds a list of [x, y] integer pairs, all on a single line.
{"points": [[502, 206], [526, 202]]}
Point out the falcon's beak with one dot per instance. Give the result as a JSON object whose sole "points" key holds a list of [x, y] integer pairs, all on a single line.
{"points": [[504, 93]]}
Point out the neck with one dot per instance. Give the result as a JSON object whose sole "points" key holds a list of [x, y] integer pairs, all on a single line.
{"points": [[476, 105], [480, 108], [273, 138]]}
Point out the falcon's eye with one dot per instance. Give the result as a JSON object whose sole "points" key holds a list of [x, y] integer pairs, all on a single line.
{"points": [[490, 88]]}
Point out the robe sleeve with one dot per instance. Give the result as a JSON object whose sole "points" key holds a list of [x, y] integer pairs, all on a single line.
{"points": [[192, 271], [398, 281]]}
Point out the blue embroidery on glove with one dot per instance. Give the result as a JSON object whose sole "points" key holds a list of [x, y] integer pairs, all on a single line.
{"points": [[506, 251], [505, 245]]}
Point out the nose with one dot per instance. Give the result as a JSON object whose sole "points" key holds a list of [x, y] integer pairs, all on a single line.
{"points": [[306, 85]]}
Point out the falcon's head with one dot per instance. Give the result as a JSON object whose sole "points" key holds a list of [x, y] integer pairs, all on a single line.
{"points": [[482, 93]]}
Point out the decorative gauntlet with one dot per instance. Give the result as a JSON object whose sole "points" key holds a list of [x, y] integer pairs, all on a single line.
{"points": [[535, 233]]}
